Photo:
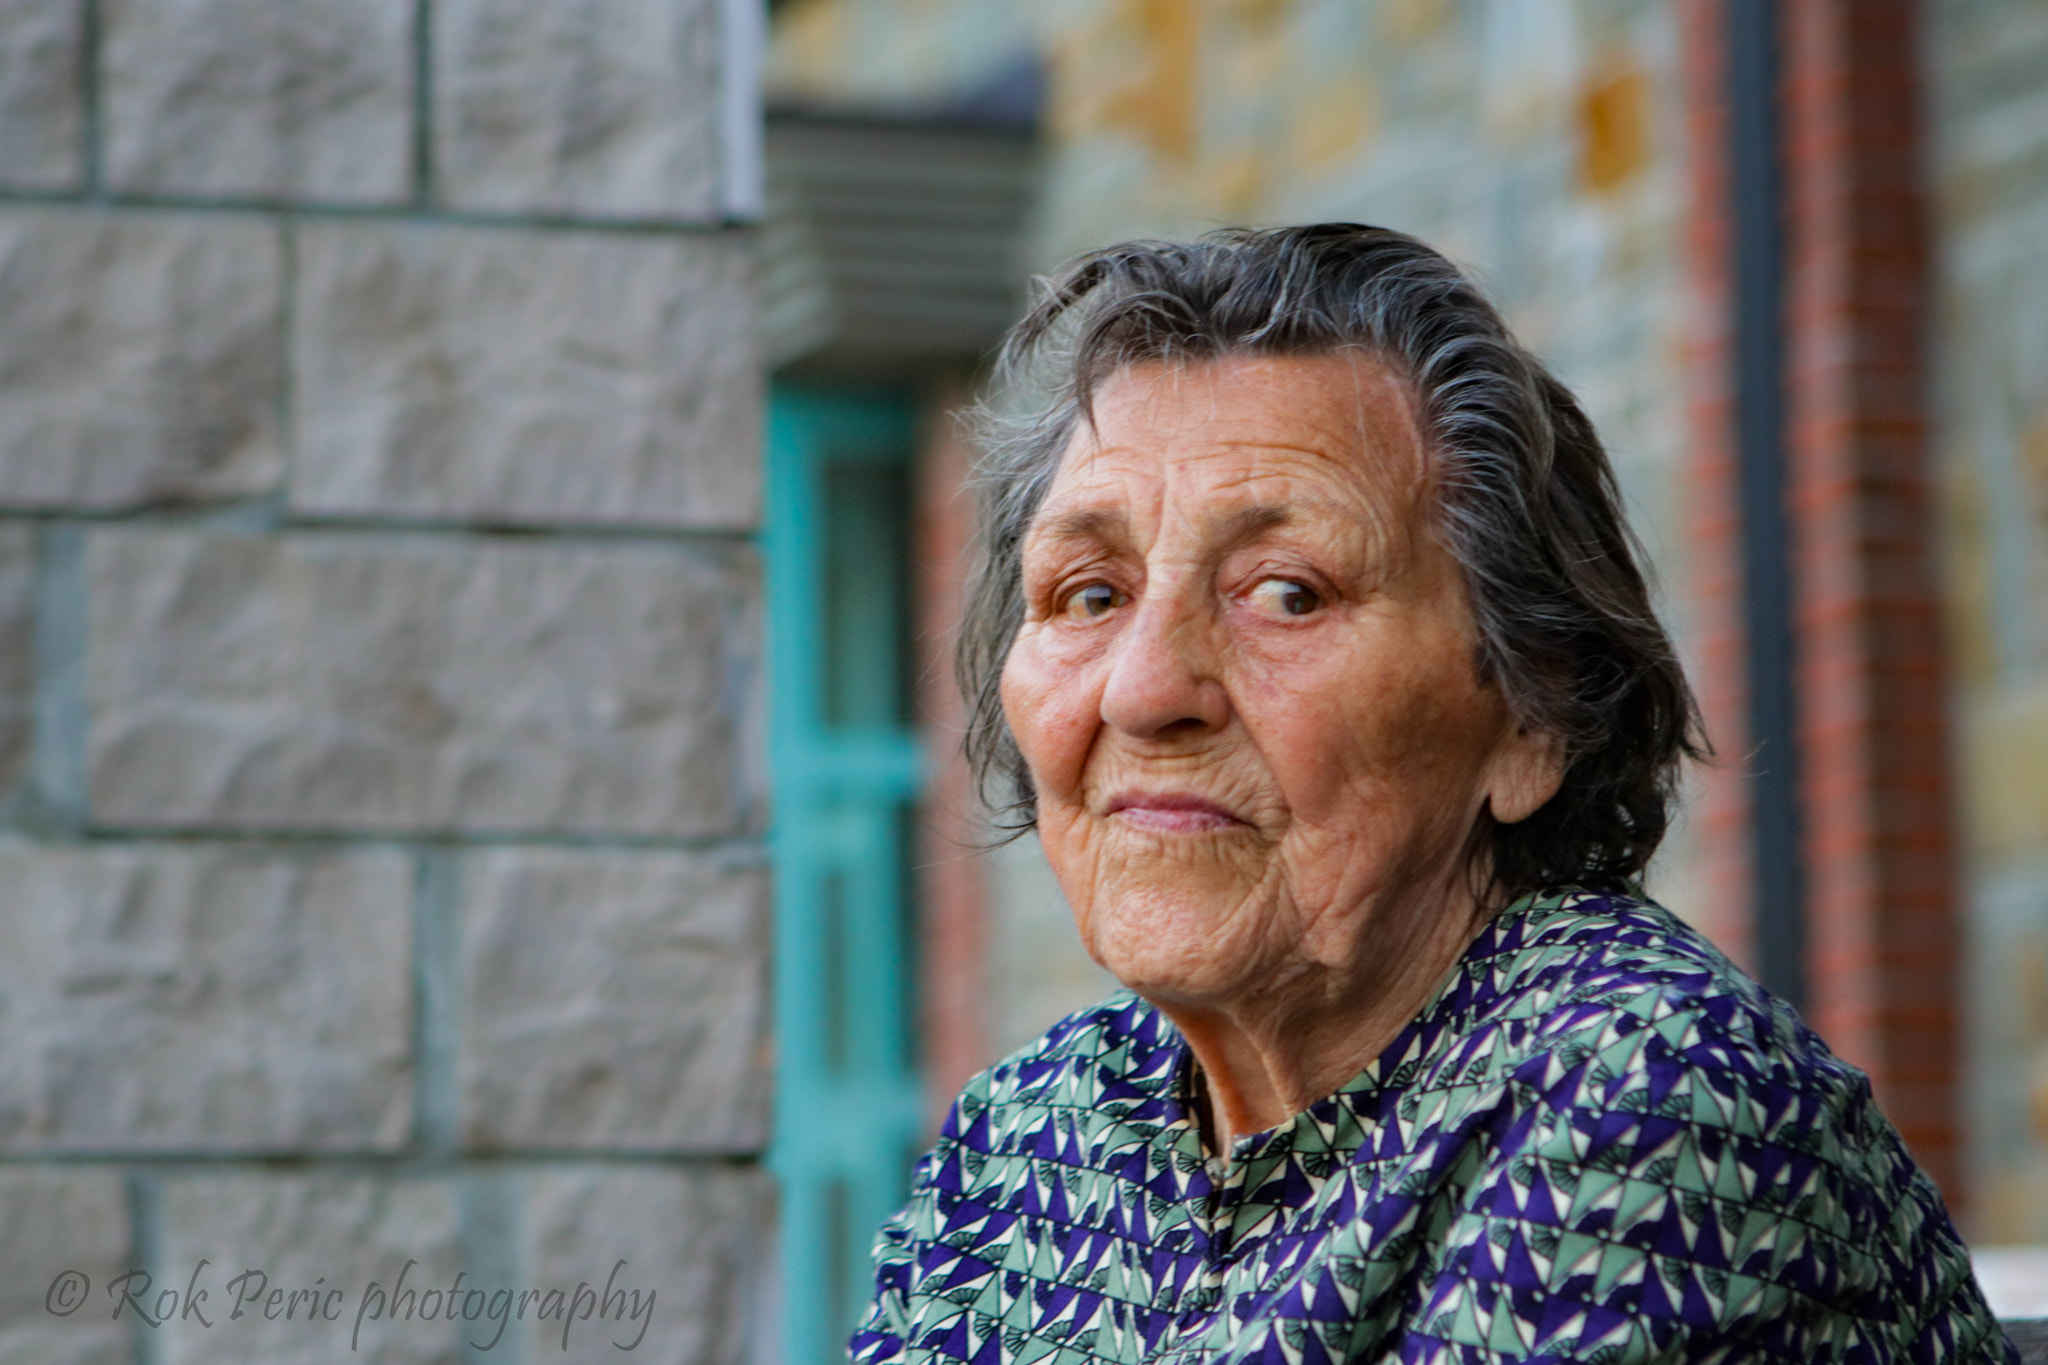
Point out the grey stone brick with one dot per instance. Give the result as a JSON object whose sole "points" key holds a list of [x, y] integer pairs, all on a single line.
{"points": [[41, 127], [140, 358], [173, 998], [614, 1000], [321, 1232], [52, 1220], [512, 376], [691, 1237], [17, 650], [583, 107], [417, 683], [296, 99]]}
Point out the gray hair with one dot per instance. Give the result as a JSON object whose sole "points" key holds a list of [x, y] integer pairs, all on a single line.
{"points": [[1526, 502]]}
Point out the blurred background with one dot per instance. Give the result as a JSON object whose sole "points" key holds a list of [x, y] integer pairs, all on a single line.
{"points": [[1794, 259], [482, 521]]}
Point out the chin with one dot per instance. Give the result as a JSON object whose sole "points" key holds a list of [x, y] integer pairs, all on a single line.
{"points": [[1175, 946]]}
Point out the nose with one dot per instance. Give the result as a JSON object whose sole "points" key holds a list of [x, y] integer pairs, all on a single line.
{"points": [[1163, 679]]}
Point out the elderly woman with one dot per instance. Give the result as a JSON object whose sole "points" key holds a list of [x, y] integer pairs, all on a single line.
{"points": [[1311, 640]]}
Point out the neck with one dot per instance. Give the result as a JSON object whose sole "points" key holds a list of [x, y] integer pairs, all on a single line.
{"points": [[1265, 1057]]}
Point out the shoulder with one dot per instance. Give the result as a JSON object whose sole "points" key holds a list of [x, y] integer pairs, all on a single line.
{"points": [[1653, 1105], [1573, 970], [1605, 1034], [1118, 1061], [1595, 945]]}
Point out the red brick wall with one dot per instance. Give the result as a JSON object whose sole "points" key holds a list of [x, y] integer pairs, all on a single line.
{"points": [[1873, 736], [1882, 933]]}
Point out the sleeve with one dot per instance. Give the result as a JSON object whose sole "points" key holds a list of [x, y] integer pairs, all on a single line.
{"points": [[883, 1335], [1673, 1196], [879, 1340]]}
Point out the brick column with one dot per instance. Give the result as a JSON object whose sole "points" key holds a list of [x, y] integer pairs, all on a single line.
{"points": [[1881, 910], [1879, 903], [381, 860]]}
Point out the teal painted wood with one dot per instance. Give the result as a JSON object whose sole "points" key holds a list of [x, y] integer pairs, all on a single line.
{"points": [[847, 771]]}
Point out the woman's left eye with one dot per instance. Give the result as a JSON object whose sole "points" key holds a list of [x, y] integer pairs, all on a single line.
{"points": [[1096, 599], [1285, 597]]}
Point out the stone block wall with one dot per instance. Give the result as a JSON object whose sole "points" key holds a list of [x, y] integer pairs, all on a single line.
{"points": [[1988, 90], [381, 785]]}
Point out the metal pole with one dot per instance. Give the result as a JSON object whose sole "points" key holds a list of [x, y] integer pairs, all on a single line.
{"points": [[1757, 201]]}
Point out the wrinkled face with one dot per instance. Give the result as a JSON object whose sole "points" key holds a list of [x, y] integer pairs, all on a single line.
{"points": [[1245, 682]]}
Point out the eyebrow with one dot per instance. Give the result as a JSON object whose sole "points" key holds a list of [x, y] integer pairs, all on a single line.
{"points": [[1084, 523], [1246, 522], [1091, 523]]}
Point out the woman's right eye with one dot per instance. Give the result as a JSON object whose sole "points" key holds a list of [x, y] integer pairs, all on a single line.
{"points": [[1094, 600]]}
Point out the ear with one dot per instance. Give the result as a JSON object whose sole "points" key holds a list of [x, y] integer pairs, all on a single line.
{"points": [[1526, 771]]}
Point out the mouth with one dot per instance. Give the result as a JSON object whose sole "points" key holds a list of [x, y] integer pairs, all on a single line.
{"points": [[1173, 812]]}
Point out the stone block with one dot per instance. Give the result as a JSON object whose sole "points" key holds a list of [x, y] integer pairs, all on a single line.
{"points": [[412, 683], [266, 99], [176, 998], [325, 1233], [693, 1238], [614, 1000], [599, 108], [512, 376], [41, 115], [141, 358], [54, 1220], [17, 651], [2006, 771]]}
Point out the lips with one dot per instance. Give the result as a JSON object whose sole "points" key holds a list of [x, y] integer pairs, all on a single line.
{"points": [[1172, 812]]}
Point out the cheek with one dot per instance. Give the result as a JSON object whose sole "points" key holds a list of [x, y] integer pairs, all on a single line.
{"points": [[1052, 709], [1397, 714]]}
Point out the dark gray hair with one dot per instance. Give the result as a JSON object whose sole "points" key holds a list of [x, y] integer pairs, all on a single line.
{"points": [[1525, 498]]}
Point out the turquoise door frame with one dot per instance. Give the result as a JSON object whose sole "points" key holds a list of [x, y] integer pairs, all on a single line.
{"points": [[847, 772]]}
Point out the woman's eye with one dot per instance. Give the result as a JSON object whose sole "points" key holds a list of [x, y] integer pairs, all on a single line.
{"points": [[1285, 597], [1094, 600]]}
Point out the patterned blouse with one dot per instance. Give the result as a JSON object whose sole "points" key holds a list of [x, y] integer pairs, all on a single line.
{"points": [[1599, 1142]]}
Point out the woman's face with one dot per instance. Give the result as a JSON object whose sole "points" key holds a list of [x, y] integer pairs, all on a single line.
{"points": [[1245, 681]]}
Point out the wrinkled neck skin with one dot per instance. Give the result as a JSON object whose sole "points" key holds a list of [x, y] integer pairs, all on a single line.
{"points": [[1264, 1057]]}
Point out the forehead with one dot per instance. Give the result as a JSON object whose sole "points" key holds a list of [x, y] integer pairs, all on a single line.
{"points": [[1334, 430]]}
